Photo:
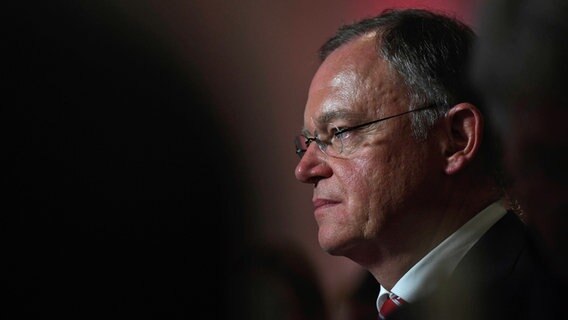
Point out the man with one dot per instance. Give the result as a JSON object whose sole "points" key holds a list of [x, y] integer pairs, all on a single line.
{"points": [[406, 178]]}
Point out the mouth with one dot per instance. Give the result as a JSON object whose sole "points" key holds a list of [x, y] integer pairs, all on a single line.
{"points": [[320, 204]]}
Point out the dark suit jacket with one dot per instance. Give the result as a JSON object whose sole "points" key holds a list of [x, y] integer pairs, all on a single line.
{"points": [[501, 277]]}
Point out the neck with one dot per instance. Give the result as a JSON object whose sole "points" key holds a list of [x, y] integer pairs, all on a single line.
{"points": [[388, 260]]}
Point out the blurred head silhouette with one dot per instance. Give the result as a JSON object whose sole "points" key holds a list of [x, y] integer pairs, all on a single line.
{"points": [[112, 150], [520, 66]]}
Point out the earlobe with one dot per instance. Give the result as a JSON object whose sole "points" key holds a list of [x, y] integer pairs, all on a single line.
{"points": [[465, 131]]}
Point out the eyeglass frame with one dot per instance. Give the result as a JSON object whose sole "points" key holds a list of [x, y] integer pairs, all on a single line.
{"points": [[323, 145]]}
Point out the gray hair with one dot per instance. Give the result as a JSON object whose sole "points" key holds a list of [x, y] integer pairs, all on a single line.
{"points": [[428, 52]]}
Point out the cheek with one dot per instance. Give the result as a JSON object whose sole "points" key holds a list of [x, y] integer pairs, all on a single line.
{"points": [[368, 184], [359, 180], [375, 193], [400, 175], [364, 175]]}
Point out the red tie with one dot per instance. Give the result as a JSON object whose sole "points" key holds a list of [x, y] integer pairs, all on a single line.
{"points": [[389, 305]]}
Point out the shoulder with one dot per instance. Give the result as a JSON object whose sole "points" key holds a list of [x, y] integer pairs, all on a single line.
{"points": [[493, 281]]}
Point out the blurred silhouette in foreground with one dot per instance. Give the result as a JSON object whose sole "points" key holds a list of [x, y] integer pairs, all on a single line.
{"points": [[521, 66], [277, 282], [122, 195]]}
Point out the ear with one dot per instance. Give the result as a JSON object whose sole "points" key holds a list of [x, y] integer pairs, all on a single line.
{"points": [[464, 126]]}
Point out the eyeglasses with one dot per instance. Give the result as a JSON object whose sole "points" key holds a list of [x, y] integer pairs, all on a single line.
{"points": [[341, 143]]}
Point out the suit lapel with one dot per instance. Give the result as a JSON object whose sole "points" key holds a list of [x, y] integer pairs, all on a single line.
{"points": [[488, 283], [495, 256]]}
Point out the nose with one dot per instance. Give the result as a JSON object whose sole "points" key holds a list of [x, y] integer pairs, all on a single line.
{"points": [[313, 166]]}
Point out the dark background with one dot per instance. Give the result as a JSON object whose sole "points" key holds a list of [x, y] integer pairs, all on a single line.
{"points": [[122, 196]]}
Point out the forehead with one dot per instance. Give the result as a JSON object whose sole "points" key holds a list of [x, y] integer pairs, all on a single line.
{"points": [[353, 82]]}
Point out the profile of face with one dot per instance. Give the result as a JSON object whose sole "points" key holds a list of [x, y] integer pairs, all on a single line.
{"points": [[370, 184]]}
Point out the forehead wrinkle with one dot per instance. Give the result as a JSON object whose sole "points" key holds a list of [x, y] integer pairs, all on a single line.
{"points": [[344, 91], [352, 87], [338, 103], [366, 81]]}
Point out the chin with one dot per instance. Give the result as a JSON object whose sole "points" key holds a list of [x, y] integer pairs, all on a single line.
{"points": [[335, 243]]}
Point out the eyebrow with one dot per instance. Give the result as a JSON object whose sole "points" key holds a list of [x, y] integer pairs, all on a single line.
{"points": [[328, 117]]}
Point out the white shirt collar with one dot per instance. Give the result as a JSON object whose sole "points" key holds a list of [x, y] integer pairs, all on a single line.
{"points": [[439, 263]]}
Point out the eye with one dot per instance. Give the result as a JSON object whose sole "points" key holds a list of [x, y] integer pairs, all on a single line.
{"points": [[340, 132]]}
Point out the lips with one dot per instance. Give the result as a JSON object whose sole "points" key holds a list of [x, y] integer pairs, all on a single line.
{"points": [[323, 203]]}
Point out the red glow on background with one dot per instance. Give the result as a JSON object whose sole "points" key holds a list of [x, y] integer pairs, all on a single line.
{"points": [[464, 10]]}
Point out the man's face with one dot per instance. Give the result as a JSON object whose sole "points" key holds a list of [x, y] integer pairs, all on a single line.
{"points": [[371, 197]]}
